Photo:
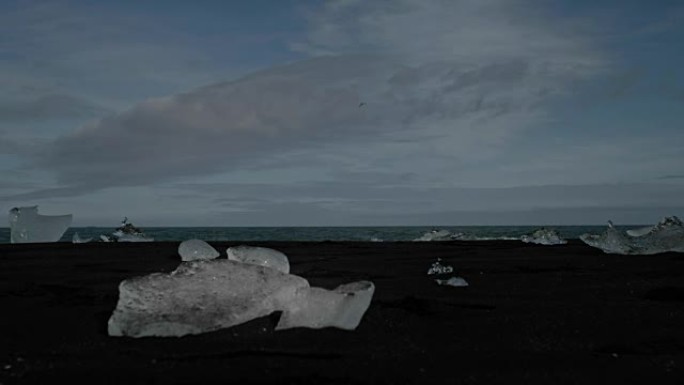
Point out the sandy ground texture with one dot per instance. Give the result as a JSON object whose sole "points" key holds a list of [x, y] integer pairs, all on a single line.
{"points": [[532, 314]]}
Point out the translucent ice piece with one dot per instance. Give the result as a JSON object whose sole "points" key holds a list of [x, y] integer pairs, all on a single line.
{"points": [[639, 232], [27, 226], [76, 239], [196, 250], [261, 256], [438, 268], [667, 235], [453, 281], [318, 308], [105, 238], [200, 296], [544, 236]]}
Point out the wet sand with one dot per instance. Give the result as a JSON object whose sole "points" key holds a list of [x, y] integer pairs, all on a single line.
{"points": [[532, 314]]}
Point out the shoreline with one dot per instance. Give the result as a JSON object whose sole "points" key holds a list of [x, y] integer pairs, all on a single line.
{"points": [[539, 314]]}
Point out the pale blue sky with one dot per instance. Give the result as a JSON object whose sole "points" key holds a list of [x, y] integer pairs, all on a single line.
{"points": [[247, 113]]}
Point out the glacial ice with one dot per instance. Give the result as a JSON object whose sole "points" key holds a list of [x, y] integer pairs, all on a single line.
{"points": [[104, 238], [196, 250], [667, 235], [316, 308], [437, 235], [438, 268], [261, 256], [639, 232], [27, 226], [453, 281], [76, 239], [129, 233], [544, 236], [201, 296]]}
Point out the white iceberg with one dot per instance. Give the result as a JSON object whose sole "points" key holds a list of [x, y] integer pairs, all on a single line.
{"points": [[200, 296], [438, 235], [261, 256], [27, 226], [76, 239], [544, 236], [196, 250], [129, 233], [453, 281], [317, 308], [667, 235], [438, 268]]}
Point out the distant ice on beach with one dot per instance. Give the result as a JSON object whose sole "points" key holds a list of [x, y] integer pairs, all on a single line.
{"points": [[77, 239], [544, 236], [27, 226], [445, 235], [666, 236]]}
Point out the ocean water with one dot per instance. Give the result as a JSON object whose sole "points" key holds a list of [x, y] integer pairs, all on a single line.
{"points": [[318, 234]]}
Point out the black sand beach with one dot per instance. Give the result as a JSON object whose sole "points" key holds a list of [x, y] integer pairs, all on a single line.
{"points": [[532, 314]]}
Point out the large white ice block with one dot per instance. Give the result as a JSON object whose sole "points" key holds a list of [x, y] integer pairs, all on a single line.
{"points": [[196, 250], [318, 308], [27, 226], [667, 235], [261, 256], [200, 296]]}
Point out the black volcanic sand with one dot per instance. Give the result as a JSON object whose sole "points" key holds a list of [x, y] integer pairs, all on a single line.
{"points": [[532, 314]]}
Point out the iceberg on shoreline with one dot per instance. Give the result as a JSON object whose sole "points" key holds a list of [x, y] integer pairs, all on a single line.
{"points": [[128, 233], [544, 236], [205, 294], [27, 226], [666, 236], [438, 235]]}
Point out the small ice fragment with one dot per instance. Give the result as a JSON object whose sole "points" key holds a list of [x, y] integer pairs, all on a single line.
{"points": [[199, 297], [76, 239], [453, 281], [261, 256], [27, 226], [104, 238], [195, 250], [544, 236], [317, 308], [129, 233], [438, 268]]}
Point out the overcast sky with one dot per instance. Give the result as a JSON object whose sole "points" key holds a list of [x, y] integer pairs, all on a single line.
{"points": [[343, 112]]}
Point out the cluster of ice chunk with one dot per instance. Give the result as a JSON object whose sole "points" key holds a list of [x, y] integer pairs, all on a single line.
{"points": [[544, 236], [438, 269], [667, 235], [205, 294], [27, 226]]}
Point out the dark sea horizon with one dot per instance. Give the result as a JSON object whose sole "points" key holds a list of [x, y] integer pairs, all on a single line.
{"points": [[328, 233]]}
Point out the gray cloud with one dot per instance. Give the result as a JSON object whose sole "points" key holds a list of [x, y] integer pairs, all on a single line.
{"points": [[450, 75], [48, 107]]}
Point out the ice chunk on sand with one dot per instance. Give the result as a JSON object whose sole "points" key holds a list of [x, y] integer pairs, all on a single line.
{"points": [[76, 239], [544, 236], [261, 256], [639, 232], [200, 296], [665, 223], [196, 250], [318, 308], [27, 226], [668, 235], [453, 281], [438, 268], [104, 238]]}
